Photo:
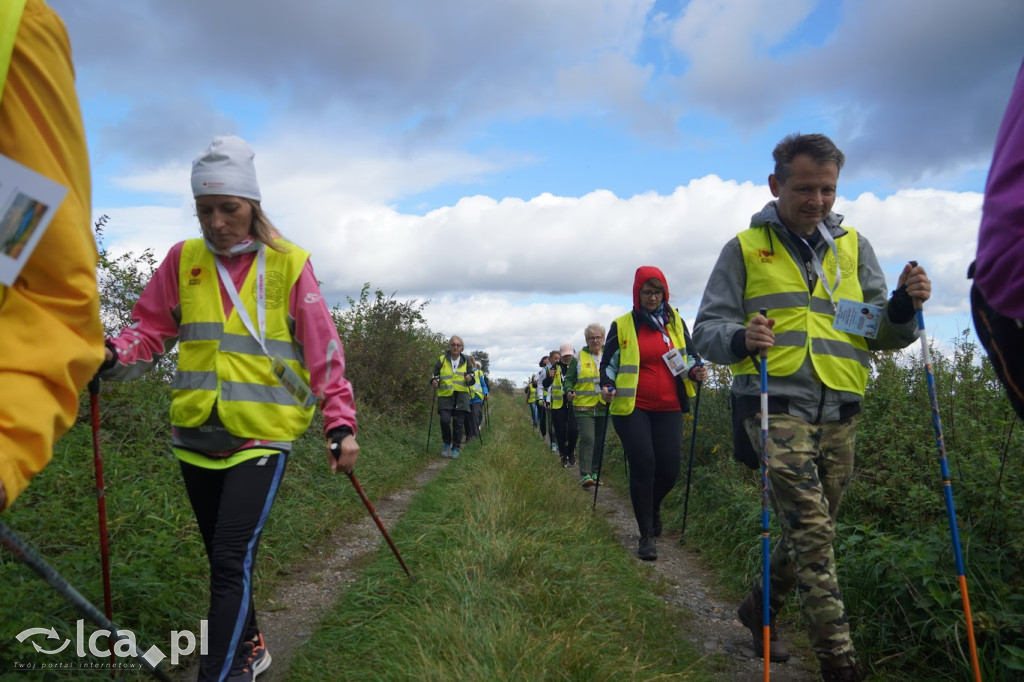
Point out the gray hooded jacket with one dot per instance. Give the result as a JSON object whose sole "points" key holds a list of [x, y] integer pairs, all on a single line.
{"points": [[720, 329]]}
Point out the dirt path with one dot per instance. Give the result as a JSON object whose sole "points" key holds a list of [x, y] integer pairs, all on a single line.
{"points": [[291, 616]]}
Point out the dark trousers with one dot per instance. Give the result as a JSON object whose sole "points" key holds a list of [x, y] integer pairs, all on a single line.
{"points": [[231, 507], [470, 421], [566, 430], [653, 444], [1003, 340], [542, 419], [452, 424]]}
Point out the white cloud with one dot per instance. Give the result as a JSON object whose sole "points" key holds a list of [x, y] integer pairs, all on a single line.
{"points": [[518, 277]]}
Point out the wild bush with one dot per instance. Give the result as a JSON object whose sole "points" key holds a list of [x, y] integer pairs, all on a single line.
{"points": [[390, 352]]}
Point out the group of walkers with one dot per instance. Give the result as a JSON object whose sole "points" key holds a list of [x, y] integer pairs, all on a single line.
{"points": [[258, 351]]}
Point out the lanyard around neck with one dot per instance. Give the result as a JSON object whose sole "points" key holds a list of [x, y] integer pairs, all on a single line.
{"points": [[819, 269], [261, 297]]}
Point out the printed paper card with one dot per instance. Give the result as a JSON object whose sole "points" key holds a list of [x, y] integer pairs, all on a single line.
{"points": [[28, 202], [857, 318]]}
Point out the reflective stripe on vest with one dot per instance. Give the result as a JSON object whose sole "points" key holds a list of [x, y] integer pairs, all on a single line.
{"points": [[803, 322], [588, 392], [220, 363], [628, 377], [448, 382]]}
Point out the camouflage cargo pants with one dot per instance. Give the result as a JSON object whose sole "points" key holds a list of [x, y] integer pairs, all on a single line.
{"points": [[810, 466]]}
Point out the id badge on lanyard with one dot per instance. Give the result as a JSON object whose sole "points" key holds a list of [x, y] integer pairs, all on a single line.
{"points": [[676, 362]]}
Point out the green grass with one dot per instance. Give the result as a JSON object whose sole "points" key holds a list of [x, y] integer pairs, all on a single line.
{"points": [[158, 566], [517, 579]]}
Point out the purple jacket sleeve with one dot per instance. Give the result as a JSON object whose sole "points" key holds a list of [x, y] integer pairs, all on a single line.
{"points": [[999, 273]]}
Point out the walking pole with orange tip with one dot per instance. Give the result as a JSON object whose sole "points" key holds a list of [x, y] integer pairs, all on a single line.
{"points": [[947, 485], [765, 534]]}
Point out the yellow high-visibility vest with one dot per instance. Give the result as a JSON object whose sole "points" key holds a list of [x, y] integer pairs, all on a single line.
{"points": [[588, 375], [451, 379], [219, 362], [803, 321], [628, 377]]}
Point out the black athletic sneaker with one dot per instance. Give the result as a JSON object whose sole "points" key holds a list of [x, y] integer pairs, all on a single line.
{"points": [[254, 660], [647, 550]]}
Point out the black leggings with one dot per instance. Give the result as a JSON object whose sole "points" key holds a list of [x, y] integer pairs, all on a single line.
{"points": [[566, 430], [652, 442], [231, 506]]}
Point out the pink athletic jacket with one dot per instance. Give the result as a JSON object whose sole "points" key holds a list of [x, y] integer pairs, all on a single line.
{"points": [[155, 330]]}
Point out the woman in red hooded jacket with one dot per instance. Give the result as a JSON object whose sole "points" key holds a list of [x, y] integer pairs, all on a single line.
{"points": [[647, 370]]}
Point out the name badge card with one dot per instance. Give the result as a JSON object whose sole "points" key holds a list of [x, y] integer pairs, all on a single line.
{"points": [[676, 361], [28, 201], [857, 318], [291, 381]]}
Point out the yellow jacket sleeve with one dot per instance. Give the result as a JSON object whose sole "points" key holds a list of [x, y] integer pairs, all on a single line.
{"points": [[51, 338]]}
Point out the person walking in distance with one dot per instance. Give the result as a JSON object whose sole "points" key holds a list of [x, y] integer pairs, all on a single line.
{"points": [[816, 277], [538, 379], [583, 390], [562, 419], [253, 364], [549, 398], [452, 378], [648, 367]]}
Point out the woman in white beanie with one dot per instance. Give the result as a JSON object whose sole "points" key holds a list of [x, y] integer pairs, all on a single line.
{"points": [[257, 352]]}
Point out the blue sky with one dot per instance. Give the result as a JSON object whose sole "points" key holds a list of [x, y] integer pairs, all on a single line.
{"points": [[514, 161]]}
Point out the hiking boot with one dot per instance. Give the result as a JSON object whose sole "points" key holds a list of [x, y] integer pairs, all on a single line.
{"points": [[647, 550], [572, 460], [656, 524], [565, 462], [455, 453], [446, 451], [554, 447], [588, 481], [848, 673], [253, 660], [751, 615]]}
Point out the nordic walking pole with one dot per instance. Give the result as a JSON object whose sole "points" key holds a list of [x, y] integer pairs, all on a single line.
{"points": [[380, 524], [600, 460], [765, 534], [28, 556], [336, 453], [430, 417], [693, 446], [947, 484], [101, 493]]}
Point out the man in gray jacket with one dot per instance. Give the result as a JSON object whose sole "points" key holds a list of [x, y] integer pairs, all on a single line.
{"points": [[827, 309]]}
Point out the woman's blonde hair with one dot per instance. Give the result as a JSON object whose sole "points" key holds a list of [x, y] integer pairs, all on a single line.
{"points": [[263, 229]]}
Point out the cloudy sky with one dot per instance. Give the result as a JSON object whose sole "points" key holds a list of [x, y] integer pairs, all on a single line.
{"points": [[514, 161]]}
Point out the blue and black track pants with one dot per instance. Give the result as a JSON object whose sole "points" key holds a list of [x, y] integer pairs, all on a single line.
{"points": [[231, 507]]}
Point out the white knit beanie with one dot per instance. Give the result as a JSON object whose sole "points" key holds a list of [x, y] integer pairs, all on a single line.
{"points": [[226, 167]]}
